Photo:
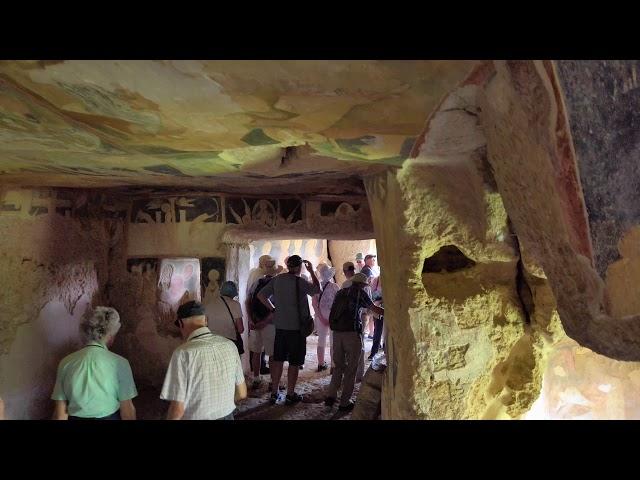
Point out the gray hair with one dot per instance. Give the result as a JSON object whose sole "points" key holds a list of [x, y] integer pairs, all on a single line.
{"points": [[103, 322]]}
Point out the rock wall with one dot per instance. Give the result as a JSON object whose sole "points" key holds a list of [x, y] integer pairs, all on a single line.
{"points": [[530, 150], [345, 251], [53, 266], [601, 99], [314, 250], [466, 340]]}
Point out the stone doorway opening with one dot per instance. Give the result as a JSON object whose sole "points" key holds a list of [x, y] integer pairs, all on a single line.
{"points": [[311, 382]]}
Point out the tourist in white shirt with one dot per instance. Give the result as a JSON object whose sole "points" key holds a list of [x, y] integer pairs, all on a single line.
{"points": [[322, 303], [204, 378]]}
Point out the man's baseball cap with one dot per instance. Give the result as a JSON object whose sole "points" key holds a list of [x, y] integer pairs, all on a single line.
{"points": [[359, 256], [189, 309], [294, 261], [368, 257], [348, 266]]}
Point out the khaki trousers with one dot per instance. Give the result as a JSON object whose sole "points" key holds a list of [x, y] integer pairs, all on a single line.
{"points": [[347, 355]]}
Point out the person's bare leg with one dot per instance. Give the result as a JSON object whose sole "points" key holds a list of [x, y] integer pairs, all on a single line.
{"points": [[255, 364], [276, 373], [292, 379], [320, 356]]}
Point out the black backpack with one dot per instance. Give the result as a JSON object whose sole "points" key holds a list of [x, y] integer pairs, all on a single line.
{"points": [[344, 318], [258, 309]]}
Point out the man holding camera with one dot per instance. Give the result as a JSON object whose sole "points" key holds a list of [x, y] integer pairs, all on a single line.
{"points": [[290, 344]]}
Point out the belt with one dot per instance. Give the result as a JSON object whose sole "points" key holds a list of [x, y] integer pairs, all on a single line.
{"points": [[114, 416]]}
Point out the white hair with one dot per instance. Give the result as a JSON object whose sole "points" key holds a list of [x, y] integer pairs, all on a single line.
{"points": [[104, 322]]}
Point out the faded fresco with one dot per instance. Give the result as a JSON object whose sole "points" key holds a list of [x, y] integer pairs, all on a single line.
{"points": [[179, 282], [263, 213], [69, 203], [176, 120], [579, 384], [177, 210], [342, 216]]}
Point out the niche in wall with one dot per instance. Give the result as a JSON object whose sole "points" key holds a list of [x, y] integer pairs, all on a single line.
{"points": [[208, 264], [449, 258]]}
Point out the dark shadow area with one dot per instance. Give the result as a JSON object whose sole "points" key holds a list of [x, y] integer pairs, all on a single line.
{"points": [[449, 258]]}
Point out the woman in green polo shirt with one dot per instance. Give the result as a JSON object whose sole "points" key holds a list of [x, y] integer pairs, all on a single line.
{"points": [[94, 383]]}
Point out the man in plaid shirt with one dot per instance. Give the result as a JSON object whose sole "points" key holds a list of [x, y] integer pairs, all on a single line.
{"points": [[205, 377]]}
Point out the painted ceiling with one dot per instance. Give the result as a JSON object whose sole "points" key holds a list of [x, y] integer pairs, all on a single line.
{"points": [[197, 123]]}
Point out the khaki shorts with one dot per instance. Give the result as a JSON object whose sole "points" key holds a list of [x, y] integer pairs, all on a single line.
{"points": [[265, 338]]}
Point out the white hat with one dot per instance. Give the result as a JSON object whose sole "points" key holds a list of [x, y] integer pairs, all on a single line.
{"points": [[325, 272]]}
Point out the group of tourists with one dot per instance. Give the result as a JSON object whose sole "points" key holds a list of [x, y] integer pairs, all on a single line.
{"points": [[204, 378]]}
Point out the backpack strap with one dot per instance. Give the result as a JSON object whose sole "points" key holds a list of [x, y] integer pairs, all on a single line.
{"points": [[320, 297], [233, 320], [357, 315], [298, 298]]}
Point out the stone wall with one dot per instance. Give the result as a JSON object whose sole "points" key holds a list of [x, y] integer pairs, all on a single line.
{"points": [[601, 99], [468, 326], [530, 149], [342, 251], [54, 248]]}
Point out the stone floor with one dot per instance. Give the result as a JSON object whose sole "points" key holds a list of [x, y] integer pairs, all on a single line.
{"points": [[311, 384]]}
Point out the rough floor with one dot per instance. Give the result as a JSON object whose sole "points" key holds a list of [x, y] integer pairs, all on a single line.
{"points": [[311, 384]]}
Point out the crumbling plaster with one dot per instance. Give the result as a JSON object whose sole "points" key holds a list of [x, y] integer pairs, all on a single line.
{"points": [[460, 343], [53, 268]]}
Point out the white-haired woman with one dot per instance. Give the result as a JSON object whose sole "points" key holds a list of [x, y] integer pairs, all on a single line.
{"points": [[322, 306], [94, 383]]}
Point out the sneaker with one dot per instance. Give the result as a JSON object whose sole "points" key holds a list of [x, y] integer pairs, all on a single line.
{"points": [[273, 398], [323, 367], [329, 401], [291, 399], [346, 408]]}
